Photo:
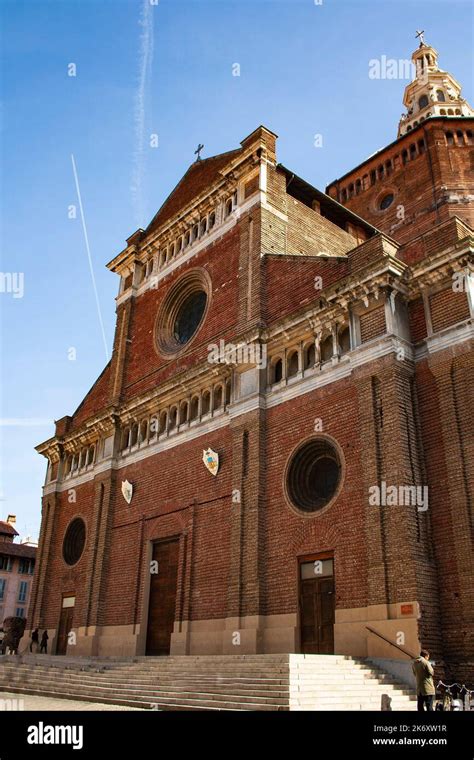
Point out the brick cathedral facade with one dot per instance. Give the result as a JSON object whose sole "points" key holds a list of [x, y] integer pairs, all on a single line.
{"points": [[336, 511]]}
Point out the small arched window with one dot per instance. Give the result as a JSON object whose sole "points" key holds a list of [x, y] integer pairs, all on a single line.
{"points": [[203, 226], [449, 138], [412, 151], [90, 455], [125, 438], [134, 435], [344, 340], [173, 418], [228, 392], [218, 397], [292, 370], [163, 423], [421, 146], [469, 138], [212, 220], [277, 371], [183, 412], [194, 409], [459, 137], [423, 101], [228, 207], [404, 156], [143, 434], [154, 427], [206, 403], [309, 356], [440, 96], [326, 349], [187, 238]]}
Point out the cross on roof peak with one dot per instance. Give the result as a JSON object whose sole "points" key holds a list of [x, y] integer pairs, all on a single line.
{"points": [[198, 151], [421, 37]]}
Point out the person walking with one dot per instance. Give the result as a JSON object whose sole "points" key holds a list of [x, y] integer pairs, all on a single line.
{"points": [[34, 640], [44, 643], [425, 689]]}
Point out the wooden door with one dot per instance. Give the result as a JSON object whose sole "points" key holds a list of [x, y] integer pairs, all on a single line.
{"points": [[162, 604], [65, 626], [317, 615]]}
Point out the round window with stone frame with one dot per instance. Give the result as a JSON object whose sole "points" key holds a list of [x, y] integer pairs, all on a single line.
{"points": [[74, 541], [386, 201], [182, 313], [313, 475]]}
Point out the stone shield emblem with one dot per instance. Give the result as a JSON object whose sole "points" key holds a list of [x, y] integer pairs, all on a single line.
{"points": [[211, 460], [127, 491]]}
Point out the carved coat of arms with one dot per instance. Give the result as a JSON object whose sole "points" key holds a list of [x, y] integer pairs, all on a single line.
{"points": [[127, 491], [211, 460]]}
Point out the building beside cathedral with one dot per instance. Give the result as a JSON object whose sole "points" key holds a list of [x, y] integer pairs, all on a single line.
{"points": [[279, 455]]}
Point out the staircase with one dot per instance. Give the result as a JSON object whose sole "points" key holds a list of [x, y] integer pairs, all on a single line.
{"points": [[241, 682]]}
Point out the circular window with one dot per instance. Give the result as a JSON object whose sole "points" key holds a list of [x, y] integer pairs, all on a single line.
{"points": [[386, 201], [74, 541], [182, 312], [313, 475], [189, 316]]}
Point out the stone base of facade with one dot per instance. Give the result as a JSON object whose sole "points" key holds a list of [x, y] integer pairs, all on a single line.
{"points": [[360, 632]]}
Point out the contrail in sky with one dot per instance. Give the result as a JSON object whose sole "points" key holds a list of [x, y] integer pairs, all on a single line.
{"points": [[144, 75]]}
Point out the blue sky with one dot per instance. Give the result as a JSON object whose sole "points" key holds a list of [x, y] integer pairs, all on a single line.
{"points": [[303, 71]]}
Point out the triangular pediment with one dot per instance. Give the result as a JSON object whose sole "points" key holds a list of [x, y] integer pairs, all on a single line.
{"points": [[200, 176]]}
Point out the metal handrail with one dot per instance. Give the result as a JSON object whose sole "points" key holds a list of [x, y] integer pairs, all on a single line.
{"points": [[397, 646]]}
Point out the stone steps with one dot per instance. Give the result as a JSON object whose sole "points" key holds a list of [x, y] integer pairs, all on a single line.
{"points": [[149, 693], [240, 682], [306, 684]]}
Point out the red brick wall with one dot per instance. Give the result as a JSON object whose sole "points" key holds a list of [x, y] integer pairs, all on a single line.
{"points": [[290, 282], [372, 324], [62, 579], [445, 399], [447, 308], [144, 367], [421, 186], [167, 486], [417, 321], [341, 528]]}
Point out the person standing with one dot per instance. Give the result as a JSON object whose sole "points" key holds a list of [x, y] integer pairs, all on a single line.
{"points": [[425, 690], [44, 643], [34, 640]]}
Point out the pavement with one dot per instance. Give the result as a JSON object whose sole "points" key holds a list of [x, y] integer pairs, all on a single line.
{"points": [[46, 704]]}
